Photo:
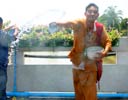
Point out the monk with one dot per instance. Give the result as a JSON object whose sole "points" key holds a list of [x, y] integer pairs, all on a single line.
{"points": [[87, 33]]}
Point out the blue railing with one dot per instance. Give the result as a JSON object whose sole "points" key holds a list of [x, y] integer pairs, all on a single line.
{"points": [[63, 94]]}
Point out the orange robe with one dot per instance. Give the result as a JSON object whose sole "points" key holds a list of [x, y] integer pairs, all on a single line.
{"points": [[85, 80]]}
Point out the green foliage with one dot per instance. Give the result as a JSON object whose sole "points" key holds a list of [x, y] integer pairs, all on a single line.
{"points": [[124, 24], [40, 37], [59, 39], [30, 40], [125, 32], [114, 36]]}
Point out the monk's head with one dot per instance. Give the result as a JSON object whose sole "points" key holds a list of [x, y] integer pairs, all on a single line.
{"points": [[91, 12]]}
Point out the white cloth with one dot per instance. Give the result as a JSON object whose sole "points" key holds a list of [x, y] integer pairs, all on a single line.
{"points": [[80, 67]]}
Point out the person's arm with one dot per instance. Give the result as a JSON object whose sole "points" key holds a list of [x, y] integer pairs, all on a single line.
{"points": [[106, 42], [75, 53], [8, 36], [16, 31], [8, 28], [14, 28], [56, 26]]}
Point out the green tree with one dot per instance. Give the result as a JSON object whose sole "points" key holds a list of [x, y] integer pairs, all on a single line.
{"points": [[124, 26], [111, 17], [124, 23]]}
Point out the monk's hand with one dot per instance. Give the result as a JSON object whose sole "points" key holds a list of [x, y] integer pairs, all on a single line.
{"points": [[99, 55], [53, 27]]}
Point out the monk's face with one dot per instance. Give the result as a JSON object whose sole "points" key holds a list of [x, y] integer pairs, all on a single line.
{"points": [[92, 14]]}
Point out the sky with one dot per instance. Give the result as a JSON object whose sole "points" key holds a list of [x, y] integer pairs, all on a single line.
{"points": [[28, 12]]}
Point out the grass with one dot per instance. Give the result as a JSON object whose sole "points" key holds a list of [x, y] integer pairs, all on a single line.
{"points": [[110, 60]]}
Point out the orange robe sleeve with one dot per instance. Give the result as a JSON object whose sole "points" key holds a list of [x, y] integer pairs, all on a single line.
{"points": [[76, 54], [106, 42]]}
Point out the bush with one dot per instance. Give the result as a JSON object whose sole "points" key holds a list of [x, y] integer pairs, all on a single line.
{"points": [[47, 40], [114, 36]]}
